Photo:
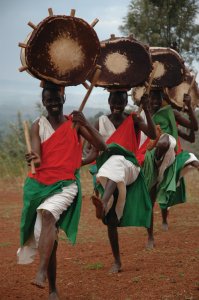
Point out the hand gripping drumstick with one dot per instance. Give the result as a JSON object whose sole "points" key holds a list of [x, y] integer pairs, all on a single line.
{"points": [[94, 81], [190, 87], [155, 66], [28, 145]]}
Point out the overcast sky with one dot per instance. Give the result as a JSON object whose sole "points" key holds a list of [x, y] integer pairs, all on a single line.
{"points": [[14, 16]]}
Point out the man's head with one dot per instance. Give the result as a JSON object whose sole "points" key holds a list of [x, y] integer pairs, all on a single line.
{"points": [[155, 100], [118, 101], [53, 98]]}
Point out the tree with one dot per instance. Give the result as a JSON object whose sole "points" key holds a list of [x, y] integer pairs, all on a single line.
{"points": [[165, 23], [12, 151]]}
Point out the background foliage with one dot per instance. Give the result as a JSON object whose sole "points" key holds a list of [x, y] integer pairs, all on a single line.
{"points": [[165, 23]]}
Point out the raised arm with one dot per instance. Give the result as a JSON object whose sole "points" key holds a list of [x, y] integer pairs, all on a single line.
{"points": [[192, 121], [149, 127], [88, 131]]}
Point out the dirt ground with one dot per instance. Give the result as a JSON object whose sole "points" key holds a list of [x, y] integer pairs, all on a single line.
{"points": [[169, 272]]}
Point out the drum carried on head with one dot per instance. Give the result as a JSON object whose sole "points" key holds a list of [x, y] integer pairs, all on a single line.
{"points": [[188, 86], [171, 69], [124, 62], [61, 49]]}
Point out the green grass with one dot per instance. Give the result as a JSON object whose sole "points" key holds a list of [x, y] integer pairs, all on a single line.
{"points": [[5, 244], [94, 266]]}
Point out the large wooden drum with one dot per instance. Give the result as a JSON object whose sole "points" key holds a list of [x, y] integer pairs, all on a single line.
{"points": [[61, 49], [188, 86], [124, 62], [171, 69]]}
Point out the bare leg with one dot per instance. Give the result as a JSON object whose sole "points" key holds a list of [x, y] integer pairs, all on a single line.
{"points": [[108, 192], [161, 149], [46, 244], [113, 238], [101, 205], [165, 213], [52, 267], [110, 188], [150, 243], [195, 164]]}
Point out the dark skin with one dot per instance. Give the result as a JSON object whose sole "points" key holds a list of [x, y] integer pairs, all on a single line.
{"points": [[162, 147], [53, 101], [117, 116]]}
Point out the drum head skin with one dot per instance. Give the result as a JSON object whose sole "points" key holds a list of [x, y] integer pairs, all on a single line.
{"points": [[124, 63], [176, 94], [171, 69], [63, 50]]}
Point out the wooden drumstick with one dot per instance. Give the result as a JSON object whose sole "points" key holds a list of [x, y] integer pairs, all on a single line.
{"points": [[85, 84], [28, 144], [94, 81], [190, 87], [155, 66]]}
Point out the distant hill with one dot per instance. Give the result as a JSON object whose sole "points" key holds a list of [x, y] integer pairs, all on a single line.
{"points": [[9, 111]]}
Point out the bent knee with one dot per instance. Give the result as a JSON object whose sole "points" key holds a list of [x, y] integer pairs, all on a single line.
{"points": [[163, 142], [162, 147], [47, 216]]}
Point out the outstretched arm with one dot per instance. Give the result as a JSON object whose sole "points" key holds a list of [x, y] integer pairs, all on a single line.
{"points": [[149, 128], [88, 131], [192, 122]]}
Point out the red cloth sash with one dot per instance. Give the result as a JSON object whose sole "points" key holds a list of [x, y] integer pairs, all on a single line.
{"points": [[61, 155], [125, 136], [142, 151]]}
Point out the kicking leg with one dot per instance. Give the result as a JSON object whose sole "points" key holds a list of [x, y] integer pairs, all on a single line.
{"points": [[46, 244], [113, 238], [101, 205], [108, 192], [195, 164]]}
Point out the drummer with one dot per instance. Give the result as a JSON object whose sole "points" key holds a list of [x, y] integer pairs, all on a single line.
{"points": [[52, 196], [168, 159], [124, 197]]}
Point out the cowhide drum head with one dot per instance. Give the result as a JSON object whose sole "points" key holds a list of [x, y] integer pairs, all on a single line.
{"points": [[176, 94], [137, 93], [62, 49], [124, 63], [171, 69]]}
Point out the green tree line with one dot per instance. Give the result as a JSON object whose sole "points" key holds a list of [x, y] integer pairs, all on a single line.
{"points": [[165, 23]]}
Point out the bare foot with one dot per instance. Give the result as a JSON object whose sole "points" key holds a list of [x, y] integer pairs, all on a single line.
{"points": [[165, 227], [53, 296], [99, 207], [150, 244], [116, 268], [39, 281]]}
